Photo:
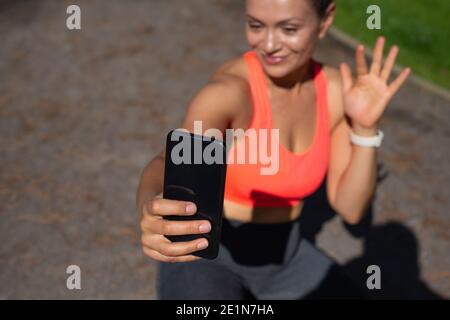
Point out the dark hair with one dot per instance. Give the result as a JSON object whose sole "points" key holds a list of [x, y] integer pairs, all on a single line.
{"points": [[321, 6]]}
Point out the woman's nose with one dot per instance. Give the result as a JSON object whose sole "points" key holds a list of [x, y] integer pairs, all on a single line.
{"points": [[271, 42]]}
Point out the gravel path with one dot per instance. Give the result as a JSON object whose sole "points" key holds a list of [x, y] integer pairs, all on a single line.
{"points": [[81, 112]]}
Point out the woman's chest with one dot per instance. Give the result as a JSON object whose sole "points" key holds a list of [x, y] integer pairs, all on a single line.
{"points": [[294, 119]]}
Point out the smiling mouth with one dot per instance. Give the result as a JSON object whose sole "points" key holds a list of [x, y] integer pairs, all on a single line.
{"points": [[273, 60]]}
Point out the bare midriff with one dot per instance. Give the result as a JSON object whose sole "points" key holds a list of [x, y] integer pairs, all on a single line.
{"points": [[236, 211]]}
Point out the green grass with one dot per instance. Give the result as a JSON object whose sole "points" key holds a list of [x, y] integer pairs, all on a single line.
{"points": [[421, 28]]}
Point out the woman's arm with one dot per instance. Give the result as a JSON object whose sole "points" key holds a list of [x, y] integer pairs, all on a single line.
{"points": [[151, 182], [215, 106], [352, 171], [351, 175]]}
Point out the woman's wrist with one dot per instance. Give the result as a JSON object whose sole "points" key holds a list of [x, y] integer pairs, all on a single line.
{"points": [[364, 131]]}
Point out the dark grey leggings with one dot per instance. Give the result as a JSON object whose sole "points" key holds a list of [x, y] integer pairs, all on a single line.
{"points": [[257, 261]]}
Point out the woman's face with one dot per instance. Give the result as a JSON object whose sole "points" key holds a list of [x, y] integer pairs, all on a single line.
{"points": [[283, 33]]}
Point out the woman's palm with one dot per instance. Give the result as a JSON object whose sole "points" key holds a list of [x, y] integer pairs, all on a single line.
{"points": [[367, 96]]}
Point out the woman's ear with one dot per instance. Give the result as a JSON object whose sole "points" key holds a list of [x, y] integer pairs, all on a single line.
{"points": [[327, 20]]}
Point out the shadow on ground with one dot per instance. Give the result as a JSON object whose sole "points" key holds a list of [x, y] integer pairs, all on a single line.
{"points": [[391, 246]]}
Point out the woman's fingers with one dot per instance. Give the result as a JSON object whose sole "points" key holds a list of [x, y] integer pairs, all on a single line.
{"points": [[165, 207], [361, 65], [154, 229], [389, 64], [377, 56], [158, 256], [178, 249], [167, 248], [398, 82], [346, 75], [175, 228]]}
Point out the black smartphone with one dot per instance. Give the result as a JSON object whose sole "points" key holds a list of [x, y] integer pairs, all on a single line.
{"points": [[195, 170]]}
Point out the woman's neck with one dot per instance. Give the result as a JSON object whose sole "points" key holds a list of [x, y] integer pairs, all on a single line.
{"points": [[293, 82]]}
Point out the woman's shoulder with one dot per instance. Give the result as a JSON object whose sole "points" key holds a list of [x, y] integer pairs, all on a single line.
{"points": [[223, 96], [333, 76], [233, 73], [230, 78]]}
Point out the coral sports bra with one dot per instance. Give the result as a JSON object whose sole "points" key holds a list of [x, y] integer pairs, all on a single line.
{"points": [[298, 174]]}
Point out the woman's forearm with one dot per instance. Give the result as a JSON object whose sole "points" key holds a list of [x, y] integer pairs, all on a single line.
{"points": [[151, 182], [358, 182]]}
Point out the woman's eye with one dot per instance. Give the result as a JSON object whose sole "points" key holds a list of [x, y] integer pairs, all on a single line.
{"points": [[290, 30], [254, 26]]}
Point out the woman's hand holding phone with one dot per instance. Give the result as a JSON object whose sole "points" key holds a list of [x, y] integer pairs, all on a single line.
{"points": [[154, 228]]}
